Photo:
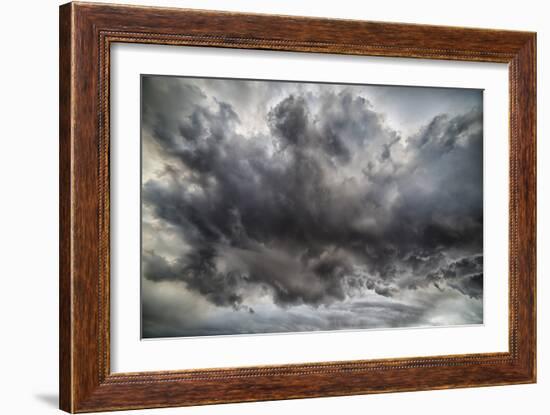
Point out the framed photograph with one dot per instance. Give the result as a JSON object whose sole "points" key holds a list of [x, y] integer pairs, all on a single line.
{"points": [[258, 207]]}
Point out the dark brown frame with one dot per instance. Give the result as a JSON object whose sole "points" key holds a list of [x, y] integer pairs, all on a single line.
{"points": [[86, 33]]}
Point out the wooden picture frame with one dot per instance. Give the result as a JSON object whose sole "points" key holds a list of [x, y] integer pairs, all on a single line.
{"points": [[86, 33]]}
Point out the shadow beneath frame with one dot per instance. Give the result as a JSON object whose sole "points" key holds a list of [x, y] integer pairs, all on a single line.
{"points": [[50, 399]]}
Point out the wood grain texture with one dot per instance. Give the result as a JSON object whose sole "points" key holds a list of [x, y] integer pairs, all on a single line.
{"points": [[65, 246], [86, 33]]}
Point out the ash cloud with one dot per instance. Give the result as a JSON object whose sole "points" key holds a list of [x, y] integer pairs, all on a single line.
{"points": [[306, 204]]}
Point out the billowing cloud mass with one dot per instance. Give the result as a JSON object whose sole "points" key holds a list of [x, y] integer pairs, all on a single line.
{"points": [[281, 206]]}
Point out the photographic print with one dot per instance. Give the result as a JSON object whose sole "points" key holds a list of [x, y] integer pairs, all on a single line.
{"points": [[280, 206]]}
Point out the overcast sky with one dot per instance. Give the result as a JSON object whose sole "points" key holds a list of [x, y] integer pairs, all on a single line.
{"points": [[284, 206]]}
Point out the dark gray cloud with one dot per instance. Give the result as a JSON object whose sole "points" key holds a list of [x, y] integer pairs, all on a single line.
{"points": [[314, 205]]}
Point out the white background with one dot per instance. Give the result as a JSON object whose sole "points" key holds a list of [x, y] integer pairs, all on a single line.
{"points": [[28, 208], [129, 354]]}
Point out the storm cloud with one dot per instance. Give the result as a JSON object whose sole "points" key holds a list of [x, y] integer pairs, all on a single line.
{"points": [[282, 206]]}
